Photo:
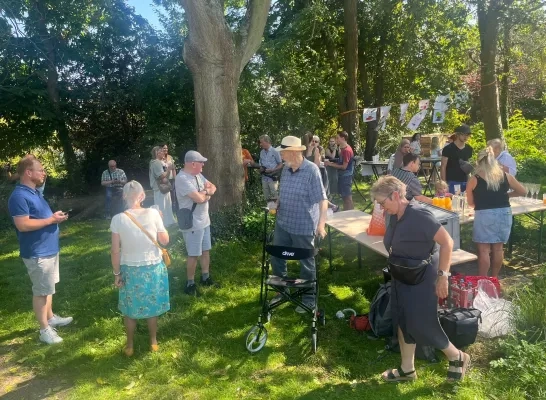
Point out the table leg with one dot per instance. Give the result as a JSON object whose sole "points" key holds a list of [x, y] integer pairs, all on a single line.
{"points": [[541, 222], [359, 249], [375, 172], [330, 248]]}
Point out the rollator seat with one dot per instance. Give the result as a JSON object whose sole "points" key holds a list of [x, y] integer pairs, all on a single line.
{"points": [[274, 280]]}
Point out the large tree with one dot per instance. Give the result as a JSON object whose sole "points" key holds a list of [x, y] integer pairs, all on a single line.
{"points": [[489, 16], [350, 119], [216, 54]]}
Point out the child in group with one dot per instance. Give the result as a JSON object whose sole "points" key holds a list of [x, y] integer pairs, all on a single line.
{"points": [[441, 189]]}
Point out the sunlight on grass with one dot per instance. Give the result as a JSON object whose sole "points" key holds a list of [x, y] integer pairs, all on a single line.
{"points": [[202, 353]]}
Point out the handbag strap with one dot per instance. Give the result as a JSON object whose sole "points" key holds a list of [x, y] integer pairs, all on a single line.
{"points": [[429, 259], [143, 230]]}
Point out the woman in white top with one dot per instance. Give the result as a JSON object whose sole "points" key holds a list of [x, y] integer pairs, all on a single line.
{"points": [[139, 270], [158, 173], [415, 144]]}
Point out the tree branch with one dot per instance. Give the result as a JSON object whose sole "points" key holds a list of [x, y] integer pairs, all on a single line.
{"points": [[251, 32]]}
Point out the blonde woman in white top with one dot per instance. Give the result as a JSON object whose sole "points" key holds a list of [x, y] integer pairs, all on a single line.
{"points": [[139, 270], [159, 173]]}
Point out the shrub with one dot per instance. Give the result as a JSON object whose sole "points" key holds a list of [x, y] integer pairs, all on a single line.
{"points": [[523, 366], [530, 318]]}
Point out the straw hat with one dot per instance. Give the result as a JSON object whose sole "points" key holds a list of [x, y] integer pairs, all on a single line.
{"points": [[291, 143]]}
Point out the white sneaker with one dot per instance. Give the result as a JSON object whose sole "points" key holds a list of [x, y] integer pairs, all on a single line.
{"points": [[56, 321], [49, 335]]}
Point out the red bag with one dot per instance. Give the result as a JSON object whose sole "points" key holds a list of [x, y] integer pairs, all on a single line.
{"points": [[360, 322]]}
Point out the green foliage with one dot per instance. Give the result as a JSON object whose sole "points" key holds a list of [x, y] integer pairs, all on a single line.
{"points": [[530, 301], [522, 366], [526, 142]]}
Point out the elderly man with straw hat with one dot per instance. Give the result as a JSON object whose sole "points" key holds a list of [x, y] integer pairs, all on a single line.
{"points": [[301, 210]]}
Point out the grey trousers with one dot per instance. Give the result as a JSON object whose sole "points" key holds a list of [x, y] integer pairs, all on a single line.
{"points": [[307, 268]]}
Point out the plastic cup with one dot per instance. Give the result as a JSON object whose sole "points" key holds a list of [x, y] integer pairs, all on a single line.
{"points": [[544, 198], [457, 189], [448, 204]]}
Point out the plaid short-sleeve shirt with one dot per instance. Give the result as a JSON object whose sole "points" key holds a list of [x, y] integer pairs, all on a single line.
{"points": [[118, 174], [299, 196]]}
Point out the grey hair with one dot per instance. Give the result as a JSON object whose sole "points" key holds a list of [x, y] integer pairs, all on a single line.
{"points": [[154, 152], [497, 144], [315, 137], [386, 186], [132, 191], [265, 138]]}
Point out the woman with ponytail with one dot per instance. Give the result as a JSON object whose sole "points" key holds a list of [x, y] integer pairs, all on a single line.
{"points": [[138, 267], [487, 192]]}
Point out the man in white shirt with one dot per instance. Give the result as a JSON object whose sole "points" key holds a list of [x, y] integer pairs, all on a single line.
{"points": [[506, 161]]}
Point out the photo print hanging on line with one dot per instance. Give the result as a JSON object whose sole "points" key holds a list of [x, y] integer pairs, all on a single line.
{"points": [[417, 119], [369, 114], [384, 111], [423, 104], [438, 116], [403, 111]]}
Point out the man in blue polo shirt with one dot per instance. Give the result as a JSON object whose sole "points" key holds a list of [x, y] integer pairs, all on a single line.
{"points": [[301, 211], [38, 233]]}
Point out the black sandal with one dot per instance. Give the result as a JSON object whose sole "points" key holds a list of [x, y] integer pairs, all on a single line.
{"points": [[402, 376], [463, 362]]}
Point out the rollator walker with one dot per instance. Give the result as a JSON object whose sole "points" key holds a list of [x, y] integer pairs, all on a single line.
{"points": [[290, 289]]}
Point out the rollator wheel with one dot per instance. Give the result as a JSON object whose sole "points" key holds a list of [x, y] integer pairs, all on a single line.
{"points": [[322, 317], [255, 338], [314, 343]]}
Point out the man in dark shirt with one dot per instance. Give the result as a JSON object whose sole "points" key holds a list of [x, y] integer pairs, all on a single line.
{"points": [[451, 170]]}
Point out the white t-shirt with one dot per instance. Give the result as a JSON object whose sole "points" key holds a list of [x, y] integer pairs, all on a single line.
{"points": [[136, 248], [185, 184]]}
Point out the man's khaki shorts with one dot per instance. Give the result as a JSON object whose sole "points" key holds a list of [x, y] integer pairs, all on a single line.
{"points": [[44, 274]]}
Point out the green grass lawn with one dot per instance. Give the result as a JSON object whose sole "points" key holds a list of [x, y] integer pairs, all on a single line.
{"points": [[202, 354]]}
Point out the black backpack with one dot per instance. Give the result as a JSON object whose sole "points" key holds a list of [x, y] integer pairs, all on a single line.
{"points": [[380, 311]]}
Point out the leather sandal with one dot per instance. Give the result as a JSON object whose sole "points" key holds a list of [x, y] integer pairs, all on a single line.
{"points": [[401, 377], [463, 362]]}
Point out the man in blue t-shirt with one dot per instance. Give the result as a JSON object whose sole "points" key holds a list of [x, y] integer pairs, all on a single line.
{"points": [[38, 233]]}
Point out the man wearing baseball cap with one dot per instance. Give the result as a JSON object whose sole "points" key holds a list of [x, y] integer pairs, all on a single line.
{"points": [[193, 192], [455, 158], [301, 211]]}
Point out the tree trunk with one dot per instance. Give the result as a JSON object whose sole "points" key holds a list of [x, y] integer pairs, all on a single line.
{"points": [[216, 57], [351, 69], [488, 24], [53, 90], [505, 77], [218, 131]]}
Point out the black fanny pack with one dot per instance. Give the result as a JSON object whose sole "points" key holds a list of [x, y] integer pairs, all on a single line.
{"points": [[408, 270], [185, 217]]}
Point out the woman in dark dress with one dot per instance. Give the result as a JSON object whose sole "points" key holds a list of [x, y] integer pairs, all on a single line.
{"points": [[414, 233]]}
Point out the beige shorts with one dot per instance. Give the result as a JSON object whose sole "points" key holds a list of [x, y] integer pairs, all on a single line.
{"points": [[44, 274]]}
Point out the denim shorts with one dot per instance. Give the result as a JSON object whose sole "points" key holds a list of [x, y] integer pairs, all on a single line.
{"points": [[492, 226], [344, 184], [197, 241]]}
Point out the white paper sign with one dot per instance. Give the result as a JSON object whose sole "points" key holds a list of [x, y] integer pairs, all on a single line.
{"points": [[385, 111], [417, 119], [423, 104], [369, 114], [440, 107], [403, 111], [438, 116], [442, 98]]}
